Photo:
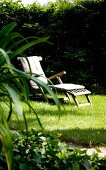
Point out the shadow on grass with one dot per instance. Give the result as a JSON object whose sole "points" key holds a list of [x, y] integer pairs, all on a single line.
{"points": [[86, 137], [51, 100]]}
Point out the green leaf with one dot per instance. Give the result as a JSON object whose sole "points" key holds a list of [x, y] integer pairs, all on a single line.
{"points": [[5, 31], [7, 39], [28, 45], [22, 86], [6, 140], [41, 84], [19, 42], [10, 110], [4, 59], [16, 100]]}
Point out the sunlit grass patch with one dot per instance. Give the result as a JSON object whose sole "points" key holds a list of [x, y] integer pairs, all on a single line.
{"points": [[85, 125]]}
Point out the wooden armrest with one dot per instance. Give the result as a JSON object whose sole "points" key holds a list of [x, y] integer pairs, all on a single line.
{"points": [[57, 75]]}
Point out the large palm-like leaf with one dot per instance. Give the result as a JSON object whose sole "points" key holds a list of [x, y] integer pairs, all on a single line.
{"points": [[13, 83]]}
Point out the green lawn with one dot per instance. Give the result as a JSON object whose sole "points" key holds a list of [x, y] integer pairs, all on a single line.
{"points": [[85, 125]]}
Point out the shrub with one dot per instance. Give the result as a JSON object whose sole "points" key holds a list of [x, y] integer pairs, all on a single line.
{"points": [[44, 151]]}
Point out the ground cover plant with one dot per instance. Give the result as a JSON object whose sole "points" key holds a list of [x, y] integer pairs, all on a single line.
{"points": [[42, 151]]}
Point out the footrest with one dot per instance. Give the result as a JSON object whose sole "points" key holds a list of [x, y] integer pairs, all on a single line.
{"points": [[79, 92]]}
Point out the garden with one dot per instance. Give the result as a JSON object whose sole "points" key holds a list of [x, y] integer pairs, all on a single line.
{"points": [[56, 135]]}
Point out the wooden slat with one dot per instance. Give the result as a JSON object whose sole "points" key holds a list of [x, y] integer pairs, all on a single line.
{"points": [[79, 92]]}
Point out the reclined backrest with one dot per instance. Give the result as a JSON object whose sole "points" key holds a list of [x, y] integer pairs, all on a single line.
{"points": [[35, 68]]}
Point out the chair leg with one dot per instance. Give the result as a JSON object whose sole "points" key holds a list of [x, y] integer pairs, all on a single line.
{"points": [[68, 96], [88, 99], [75, 100], [83, 104], [43, 95], [80, 92]]}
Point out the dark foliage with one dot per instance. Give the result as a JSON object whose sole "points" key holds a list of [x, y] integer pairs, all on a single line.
{"points": [[77, 35]]}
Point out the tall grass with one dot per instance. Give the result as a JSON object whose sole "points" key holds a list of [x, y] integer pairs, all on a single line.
{"points": [[86, 125]]}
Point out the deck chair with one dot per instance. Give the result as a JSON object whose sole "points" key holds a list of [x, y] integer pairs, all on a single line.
{"points": [[69, 89]]}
